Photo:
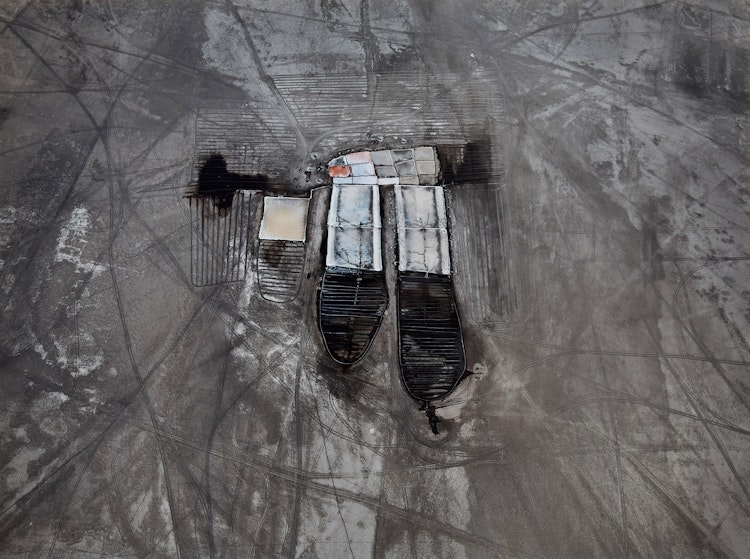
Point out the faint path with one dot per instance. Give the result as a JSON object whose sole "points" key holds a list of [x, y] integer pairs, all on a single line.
{"points": [[102, 133], [293, 532], [302, 147]]}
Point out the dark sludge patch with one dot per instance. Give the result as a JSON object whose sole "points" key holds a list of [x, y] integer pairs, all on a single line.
{"points": [[343, 382], [690, 71], [432, 417], [216, 181], [469, 163]]}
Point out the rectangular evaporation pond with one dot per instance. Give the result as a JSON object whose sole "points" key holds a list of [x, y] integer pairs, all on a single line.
{"points": [[422, 230], [284, 219], [354, 227]]}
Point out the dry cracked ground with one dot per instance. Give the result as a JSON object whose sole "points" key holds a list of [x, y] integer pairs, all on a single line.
{"points": [[599, 240]]}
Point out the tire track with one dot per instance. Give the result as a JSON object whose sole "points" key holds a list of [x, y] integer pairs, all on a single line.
{"points": [[302, 147], [293, 477], [684, 328], [293, 532], [102, 131]]}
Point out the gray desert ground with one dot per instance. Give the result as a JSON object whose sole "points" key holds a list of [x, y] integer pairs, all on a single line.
{"points": [[165, 391]]}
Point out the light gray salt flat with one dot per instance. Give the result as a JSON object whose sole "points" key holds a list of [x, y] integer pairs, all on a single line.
{"points": [[354, 227], [422, 229]]}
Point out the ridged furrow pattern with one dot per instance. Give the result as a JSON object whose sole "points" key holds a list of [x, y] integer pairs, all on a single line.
{"points": [[218, 240], [280, 266], [352, 303], [431, 348]]}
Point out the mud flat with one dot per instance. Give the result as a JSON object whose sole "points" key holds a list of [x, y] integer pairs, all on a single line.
{"points": [[167, 391]]}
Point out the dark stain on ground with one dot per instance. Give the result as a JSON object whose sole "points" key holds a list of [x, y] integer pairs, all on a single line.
{"points": [[470, 163], [214, 180], [432, 417], [691, 72], [344, 382], [702, 66], [651, 249], [398, 58]]}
